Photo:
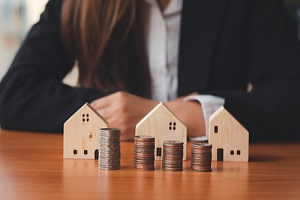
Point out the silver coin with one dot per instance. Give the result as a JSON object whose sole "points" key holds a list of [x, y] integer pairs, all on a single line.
{"points": [[109, 149]]}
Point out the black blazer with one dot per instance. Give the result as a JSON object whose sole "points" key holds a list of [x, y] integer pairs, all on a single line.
{"points": [[224, 45]]}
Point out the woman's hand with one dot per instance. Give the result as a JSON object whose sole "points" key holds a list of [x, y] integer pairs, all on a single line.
{"points": [[123, 110], [191, 115]]}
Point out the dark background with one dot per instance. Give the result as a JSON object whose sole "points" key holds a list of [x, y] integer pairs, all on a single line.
{"points": [[293, 8]]}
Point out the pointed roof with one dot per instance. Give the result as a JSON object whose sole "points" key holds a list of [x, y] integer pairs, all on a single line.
{"points": [[222, 111], [87, 105], [160, 106]]}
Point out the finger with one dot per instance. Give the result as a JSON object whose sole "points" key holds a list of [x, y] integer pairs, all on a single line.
{"points": [[106, 113], [102, 102]]}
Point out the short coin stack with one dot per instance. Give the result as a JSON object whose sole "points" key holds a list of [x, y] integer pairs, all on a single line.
{"points": [[172, 155], [109, 149], [144, 152], [201, 157]]}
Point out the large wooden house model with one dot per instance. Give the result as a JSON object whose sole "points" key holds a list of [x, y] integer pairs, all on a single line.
{"points": [[229, 139], [161, 123], [81, 133]]}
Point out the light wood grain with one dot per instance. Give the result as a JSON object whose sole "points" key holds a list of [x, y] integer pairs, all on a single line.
{"points": [[164, 125], [228, 135], [32, 167], [81, 133]]}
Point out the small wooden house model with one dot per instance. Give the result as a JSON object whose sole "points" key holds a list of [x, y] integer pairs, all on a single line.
{"points": [[229, 139], [161, 123], [81, 133]]}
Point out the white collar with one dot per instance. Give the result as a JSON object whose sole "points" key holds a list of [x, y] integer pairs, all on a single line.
{"points": [[173, 7]]}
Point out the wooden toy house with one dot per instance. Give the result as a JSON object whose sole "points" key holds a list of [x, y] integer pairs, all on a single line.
{"points": [[161, 123], [229, 139], [81, 133]]}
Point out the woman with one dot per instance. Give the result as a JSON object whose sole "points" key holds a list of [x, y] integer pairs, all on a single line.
{"points": [[132, 54]]}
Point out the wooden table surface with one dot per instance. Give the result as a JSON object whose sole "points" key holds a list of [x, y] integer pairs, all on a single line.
{"points": [[32, 167]]}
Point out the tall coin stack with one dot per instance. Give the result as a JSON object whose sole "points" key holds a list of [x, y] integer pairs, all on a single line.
{"points": [[144, 152], [201, 157], [172, 155], [109, 149]]}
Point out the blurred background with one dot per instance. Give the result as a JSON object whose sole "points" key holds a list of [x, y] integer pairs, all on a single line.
{"points": [[17, 16]]}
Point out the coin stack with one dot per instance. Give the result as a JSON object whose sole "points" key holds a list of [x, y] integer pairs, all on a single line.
{"points": [[109, 149], [144, 152], [172, 155], [201, 157]]}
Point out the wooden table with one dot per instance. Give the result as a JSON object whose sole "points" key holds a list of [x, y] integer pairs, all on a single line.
{"points": [[32, 167]]}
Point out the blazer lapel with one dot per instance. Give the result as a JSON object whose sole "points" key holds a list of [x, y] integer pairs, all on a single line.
{"points": [[201, 22]]}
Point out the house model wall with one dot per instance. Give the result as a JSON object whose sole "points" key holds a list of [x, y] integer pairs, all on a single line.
{"points": [[229, 139], [161, 123], [81, 133]]}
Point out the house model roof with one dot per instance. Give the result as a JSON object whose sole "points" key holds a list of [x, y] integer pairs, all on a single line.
{"points": [[229, 139], [81, 133], [161, 123]]}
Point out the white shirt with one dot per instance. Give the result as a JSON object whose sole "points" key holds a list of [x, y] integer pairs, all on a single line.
{"points": [[162, 47], [162, 42]]}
